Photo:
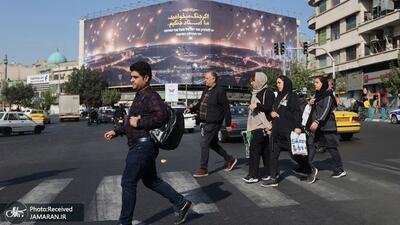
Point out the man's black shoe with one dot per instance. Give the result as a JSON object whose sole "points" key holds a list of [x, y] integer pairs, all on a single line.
{"points": [[300, 172], [182, 213]]}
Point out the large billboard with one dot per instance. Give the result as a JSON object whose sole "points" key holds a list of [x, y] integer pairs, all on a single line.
{"points": [[184, 39]]}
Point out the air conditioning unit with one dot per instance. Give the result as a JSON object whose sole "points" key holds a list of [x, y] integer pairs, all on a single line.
{"points": [[387, 5]]}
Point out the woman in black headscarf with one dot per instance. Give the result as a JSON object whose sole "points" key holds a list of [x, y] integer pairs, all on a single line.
{"points": [[322, 125], [286, 116]]}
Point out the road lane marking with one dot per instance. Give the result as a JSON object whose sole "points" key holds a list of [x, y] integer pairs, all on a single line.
{"points": [[107, 202], [374, 167], [384, 166], [184, 183], [45, 192], [373, 183], [1, 188], [393, 160], [325, 190], [261, 196]]}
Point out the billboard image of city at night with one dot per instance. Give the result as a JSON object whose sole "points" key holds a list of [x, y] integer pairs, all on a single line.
{"points": [[184, 39]]}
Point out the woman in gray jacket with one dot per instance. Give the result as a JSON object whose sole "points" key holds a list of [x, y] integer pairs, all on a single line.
{"points": [[322, 125]]}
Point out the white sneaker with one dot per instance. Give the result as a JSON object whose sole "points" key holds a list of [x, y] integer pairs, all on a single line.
{"points": [[250, 180]]}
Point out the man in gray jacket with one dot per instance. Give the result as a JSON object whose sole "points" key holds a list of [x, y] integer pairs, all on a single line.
{"points": [[212, 108]]}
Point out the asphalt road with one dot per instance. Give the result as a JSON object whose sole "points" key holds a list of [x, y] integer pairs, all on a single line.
{"points": [[70, 162]]}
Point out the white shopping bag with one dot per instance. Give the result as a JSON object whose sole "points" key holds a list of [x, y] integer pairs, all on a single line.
{"points": [[306, 114], [299, 143]]}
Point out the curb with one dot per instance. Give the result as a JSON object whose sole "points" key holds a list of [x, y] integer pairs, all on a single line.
{"points": [[377, 120]]}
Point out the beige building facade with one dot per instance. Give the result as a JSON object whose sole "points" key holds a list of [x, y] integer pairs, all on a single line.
{"points": [[363, 36]]}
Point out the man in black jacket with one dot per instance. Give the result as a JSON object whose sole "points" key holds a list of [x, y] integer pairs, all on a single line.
{"points": [[212, 108]]}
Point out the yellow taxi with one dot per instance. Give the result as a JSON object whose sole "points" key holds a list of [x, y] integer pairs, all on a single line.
{"points": [[39, 116], [347, 124]]}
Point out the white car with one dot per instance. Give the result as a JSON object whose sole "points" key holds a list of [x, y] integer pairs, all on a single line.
{"points": [[395, 116], [18, 122], [190, 119]]}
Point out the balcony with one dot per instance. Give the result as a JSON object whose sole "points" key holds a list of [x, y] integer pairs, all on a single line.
{"points": [[346, 39], [311, 22], [391, 19], [343, 10], [313, 2], [384, 56]]}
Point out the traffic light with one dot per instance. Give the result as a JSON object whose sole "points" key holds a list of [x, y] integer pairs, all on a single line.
{"points": [[282, 48], [276, 48], [305, 48]]}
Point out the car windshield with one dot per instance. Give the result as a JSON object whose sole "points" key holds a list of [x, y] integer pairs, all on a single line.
{"points": [[239, 111]]}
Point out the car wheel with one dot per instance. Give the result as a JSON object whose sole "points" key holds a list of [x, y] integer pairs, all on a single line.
{"points": [[7, 131], [37, 130], [394, 120], [346, 137], [221, 137]]}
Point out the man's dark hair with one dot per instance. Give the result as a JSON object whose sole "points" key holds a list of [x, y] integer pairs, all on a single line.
{"points": [[143, 68]]}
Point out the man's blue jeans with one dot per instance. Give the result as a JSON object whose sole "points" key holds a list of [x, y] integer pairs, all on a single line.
{"points": [[140, 164]]}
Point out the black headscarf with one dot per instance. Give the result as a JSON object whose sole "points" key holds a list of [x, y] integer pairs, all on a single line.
{"points": [[287, 88], [324, 91]]}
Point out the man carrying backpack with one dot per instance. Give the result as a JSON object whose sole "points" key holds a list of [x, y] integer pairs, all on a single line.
{"points": [[147, 112], [213, 108]]}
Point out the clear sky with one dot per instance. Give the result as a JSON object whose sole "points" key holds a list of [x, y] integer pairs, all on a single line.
{"points": [[31, 30]]}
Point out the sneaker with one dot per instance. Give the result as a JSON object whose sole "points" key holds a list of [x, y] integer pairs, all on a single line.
{"points": [[266, 178], [249, 179], [339, 173], [182, 213], [313, 176], [269, 177], [201, 173], [300, 172], [230, 164], [269, 183]]}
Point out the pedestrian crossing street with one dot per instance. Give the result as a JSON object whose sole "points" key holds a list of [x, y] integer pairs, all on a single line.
{"points": [[357, 185]]}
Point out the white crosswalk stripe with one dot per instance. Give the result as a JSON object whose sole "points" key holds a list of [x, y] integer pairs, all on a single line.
{"points": [[1, 188], [45, 192], [325, 190], [393, 160], [262, 197], [374, 166], [373, 183], [106, 204], [184, 183]]}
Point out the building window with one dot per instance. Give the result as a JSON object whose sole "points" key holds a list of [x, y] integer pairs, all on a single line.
{"points": [[335, 2], [351, 22], [351, 53], [55, 76], [396, 42], [322, 6], [336, 56], [322, 61], [322, 36], [62, 76], [335, 31]]}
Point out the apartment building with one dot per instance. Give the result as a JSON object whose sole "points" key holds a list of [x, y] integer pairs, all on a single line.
{"points": [[363, 37]]}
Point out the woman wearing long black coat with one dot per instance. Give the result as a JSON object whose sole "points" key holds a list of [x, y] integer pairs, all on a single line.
{"points": [[287, 117], [322, 125]]}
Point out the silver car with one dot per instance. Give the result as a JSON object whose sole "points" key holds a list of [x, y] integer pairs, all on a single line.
{"points": [[18, 122], [239, 124]]}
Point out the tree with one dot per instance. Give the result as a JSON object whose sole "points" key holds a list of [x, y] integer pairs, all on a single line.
{"points": [[272, 75], [45, 101], [392, 82], [20, 94], [110, 96], [88, 84], [301, 77]]}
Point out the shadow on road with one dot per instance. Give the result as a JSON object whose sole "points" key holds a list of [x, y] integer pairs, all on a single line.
{"points": [[33, 176]]}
